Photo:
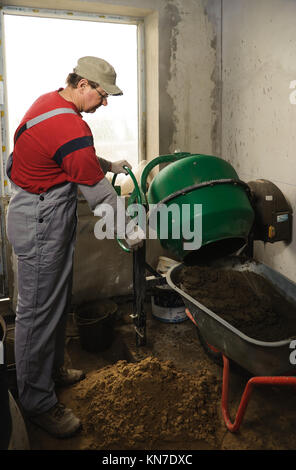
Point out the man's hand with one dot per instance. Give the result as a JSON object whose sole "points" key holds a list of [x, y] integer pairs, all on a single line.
{"points": [[117, 167]]}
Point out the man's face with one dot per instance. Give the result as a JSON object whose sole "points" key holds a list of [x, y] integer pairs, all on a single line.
{"points": [[92, 98]]}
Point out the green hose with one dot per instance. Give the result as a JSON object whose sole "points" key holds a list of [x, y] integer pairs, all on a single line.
{"points": [[157, 161]]}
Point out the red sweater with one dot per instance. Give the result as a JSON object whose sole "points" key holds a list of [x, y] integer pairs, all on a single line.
{"points": [[54, 151]]}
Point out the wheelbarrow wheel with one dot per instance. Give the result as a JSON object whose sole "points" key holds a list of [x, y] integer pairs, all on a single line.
{"points": [[217, 358]]}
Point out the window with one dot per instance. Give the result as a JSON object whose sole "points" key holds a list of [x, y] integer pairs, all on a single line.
{"points": [[46, 49]]}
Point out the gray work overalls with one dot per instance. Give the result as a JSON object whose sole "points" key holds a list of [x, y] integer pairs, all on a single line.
{"points": [[42, 230]]}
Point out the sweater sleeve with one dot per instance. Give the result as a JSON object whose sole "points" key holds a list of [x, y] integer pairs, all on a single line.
{"points": [[81, 164], [105, 165], [104, 193]]}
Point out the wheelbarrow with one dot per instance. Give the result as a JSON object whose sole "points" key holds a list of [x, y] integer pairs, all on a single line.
{"points": [[269, 362]]}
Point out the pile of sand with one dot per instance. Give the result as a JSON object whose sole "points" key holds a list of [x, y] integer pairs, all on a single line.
{"points": [[139, 405]]}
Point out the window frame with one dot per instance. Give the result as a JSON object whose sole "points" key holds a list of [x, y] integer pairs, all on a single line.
{"points": [[70, 15]]}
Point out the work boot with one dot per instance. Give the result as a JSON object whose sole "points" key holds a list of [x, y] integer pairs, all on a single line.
{"points": [[59, 421], [63, 377]]}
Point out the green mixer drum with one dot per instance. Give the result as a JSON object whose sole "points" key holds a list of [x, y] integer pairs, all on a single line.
{"points": [[226, 216]]}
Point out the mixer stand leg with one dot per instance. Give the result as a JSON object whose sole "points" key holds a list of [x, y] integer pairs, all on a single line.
{"points": [[139, 286]]}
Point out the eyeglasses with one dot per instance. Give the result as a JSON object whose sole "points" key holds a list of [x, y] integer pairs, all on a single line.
{"points": [[104, 97]]}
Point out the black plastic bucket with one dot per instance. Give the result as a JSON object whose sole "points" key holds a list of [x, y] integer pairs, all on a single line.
{"points": [[95, 323]]}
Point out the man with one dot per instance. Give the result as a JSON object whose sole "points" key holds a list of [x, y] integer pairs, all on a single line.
{"points": [[53, 155]]}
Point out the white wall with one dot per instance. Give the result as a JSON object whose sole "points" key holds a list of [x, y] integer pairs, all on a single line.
{"points": [[258, 119]]}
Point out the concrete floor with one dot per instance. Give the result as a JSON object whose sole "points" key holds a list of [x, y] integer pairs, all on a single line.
{"points": [[271, 413]]}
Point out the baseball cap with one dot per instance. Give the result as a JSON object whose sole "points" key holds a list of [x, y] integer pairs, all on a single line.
{"points": [[99, 71]]}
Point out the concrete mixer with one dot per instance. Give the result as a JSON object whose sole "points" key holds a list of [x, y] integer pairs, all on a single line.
{"points": [[225, 213]]}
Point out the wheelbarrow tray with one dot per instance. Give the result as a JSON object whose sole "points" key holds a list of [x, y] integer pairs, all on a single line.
{"points": [[260, 358]]}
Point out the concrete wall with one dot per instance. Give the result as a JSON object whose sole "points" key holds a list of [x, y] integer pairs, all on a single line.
{"points": [[183, 90], [189, 84], [258, 119]]}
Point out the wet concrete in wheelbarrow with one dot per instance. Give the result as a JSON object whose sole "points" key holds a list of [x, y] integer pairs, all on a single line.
{"points": [[244, 299], [122, 402]]}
